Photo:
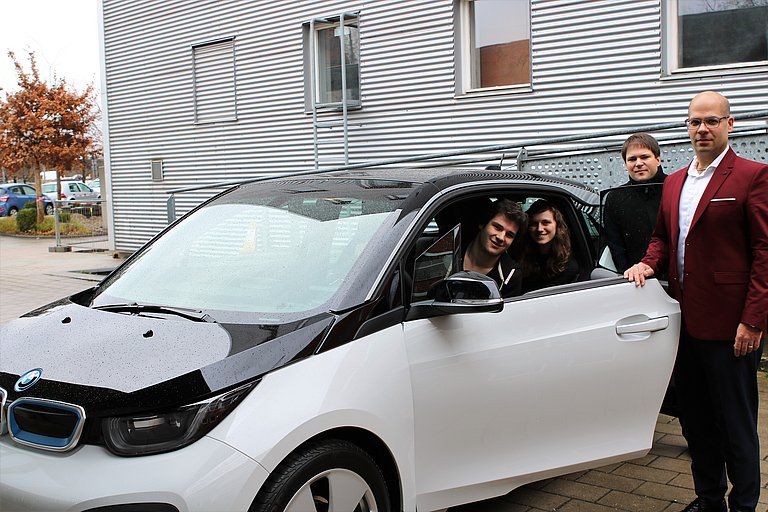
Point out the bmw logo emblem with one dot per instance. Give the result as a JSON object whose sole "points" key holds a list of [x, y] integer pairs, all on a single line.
{"points": [[28, 380]]}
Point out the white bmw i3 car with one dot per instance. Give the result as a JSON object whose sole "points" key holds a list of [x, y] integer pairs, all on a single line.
{"points": [[311, 343]]}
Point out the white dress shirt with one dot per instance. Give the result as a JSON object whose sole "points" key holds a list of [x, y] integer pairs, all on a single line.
{"points": [[693, 189]]}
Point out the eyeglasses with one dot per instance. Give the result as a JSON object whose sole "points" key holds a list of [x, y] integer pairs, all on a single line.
{"points": [[711, 122]]}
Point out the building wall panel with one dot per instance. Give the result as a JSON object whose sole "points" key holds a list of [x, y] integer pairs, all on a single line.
{"points": [[596, 66]]}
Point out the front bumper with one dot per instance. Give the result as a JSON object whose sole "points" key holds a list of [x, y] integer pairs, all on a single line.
{"points": [[205, 476]]}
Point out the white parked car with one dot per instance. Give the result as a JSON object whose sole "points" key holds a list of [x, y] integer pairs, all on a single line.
{"points": [[75, 191], [310, 343], [95, 186]]}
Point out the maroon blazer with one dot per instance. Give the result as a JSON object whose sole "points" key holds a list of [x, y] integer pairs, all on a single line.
{"points": [[726, 253]]}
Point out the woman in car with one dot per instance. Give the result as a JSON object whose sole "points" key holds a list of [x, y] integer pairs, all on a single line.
{"points": [[547, 258]]}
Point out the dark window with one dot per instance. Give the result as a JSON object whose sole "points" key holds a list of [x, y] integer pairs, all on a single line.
{"points": [[717, 32]]}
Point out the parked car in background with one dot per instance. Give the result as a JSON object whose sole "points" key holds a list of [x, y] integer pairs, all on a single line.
{"points": [[13, 197], [311, 342], [96, 186], [71, 191]]}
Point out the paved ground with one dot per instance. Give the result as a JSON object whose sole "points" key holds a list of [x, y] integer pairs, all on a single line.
{"points": [[30, 276]]}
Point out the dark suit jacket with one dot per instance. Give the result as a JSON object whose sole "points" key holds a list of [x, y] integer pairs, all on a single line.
{"points": [[726, 253]]}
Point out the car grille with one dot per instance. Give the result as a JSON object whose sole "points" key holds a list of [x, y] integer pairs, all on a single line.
{"points": [[45, 424], [3, 398]]}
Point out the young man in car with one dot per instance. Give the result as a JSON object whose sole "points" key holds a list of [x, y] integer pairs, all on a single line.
{"points": [[630, 211], [487, 252]]}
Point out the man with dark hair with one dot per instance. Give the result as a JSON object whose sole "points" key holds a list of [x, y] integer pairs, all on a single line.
{"points": [[712, 235], [487, 252], [630, 211]]}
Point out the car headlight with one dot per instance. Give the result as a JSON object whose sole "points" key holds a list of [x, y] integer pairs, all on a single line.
{"points": [[145, 434]]}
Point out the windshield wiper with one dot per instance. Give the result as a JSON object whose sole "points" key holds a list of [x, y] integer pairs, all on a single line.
{"points": [[189, 314]]}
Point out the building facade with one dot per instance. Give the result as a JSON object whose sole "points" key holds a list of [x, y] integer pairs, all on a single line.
{"points": [[205, 91]]}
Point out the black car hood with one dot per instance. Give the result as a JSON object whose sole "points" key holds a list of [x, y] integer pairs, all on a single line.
{"points": [[109, 362]]}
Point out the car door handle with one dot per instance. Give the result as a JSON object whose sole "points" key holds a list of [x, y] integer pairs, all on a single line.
{"points": [[654, 324]]}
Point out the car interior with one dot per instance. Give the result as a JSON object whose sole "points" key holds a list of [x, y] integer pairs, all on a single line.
{"points": [[428, 263]]}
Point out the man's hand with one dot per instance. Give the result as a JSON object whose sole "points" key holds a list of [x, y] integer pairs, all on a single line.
{"points": [[638, 273], [747, 340]]}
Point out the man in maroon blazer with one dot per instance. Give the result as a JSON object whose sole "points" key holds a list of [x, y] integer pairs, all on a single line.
{"points": [[712, 236]]}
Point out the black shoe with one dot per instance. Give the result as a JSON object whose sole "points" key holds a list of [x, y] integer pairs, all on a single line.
{"points": [[698, 505]]}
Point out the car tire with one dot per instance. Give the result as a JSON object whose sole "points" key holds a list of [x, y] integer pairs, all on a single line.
{"points": [[49, 209], [313, 477], [13, 211]]}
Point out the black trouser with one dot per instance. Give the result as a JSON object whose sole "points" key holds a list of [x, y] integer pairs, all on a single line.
{"points": [[718, 398]]}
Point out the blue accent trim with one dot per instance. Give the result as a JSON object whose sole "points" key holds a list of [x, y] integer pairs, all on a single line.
{"points": [[37, 439]]}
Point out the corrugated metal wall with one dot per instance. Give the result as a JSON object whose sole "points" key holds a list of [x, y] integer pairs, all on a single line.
{"points": [[596, 65]]}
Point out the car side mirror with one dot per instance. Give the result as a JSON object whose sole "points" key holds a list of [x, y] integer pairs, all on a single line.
{"points": [[462, 292]]}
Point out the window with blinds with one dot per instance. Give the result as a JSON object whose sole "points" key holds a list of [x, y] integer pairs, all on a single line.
{"points": [[213, 72]]}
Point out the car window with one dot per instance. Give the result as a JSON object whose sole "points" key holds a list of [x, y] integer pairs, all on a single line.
{"points": [[16, 190], [628, 216], [28, 191], [436, 262], [48, 188], [73, 187], [468, 214]]}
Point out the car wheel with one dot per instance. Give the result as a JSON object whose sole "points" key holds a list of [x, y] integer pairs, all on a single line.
{"points": [[49, 209], [331, 475], [13, 211]]}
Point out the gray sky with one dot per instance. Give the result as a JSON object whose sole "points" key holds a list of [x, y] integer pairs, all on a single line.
{"points": [[64, 35]]}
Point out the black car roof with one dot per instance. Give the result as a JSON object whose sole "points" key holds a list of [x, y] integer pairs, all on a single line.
{"points": [[445, 177]]}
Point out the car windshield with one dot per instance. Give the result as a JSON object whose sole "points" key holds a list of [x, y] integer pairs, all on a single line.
{"points": [[276, 248]]}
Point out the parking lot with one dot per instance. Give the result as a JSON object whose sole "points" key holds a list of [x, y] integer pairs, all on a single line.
{"points": [[31, 276]]}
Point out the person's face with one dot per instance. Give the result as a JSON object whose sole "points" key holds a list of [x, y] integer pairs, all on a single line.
{"points": [[641, 163], [709, 141], [542, 227], [498, 234]]}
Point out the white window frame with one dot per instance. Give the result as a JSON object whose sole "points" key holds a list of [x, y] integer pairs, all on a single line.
{"points": [[312, 57], [225, 48], [671, 48], [464, 65]]}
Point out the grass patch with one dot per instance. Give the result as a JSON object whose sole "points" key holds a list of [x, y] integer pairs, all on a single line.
{"points": [[7, 225], [47, 228]]}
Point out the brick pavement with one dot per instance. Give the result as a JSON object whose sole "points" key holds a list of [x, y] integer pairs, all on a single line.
{"points": [[30, 276]]}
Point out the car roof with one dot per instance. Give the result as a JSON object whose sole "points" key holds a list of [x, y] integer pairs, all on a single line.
{"points": [[444, 177], [6, 185]]}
